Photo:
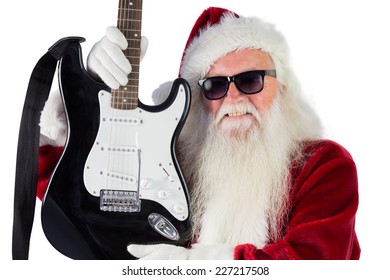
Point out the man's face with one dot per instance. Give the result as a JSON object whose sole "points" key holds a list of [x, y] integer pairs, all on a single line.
{"points": [[230, 65]]}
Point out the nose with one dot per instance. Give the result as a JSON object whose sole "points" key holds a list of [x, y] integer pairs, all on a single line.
{"points": [[234, 95]]}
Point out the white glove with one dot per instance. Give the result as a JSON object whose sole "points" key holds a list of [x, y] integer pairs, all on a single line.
{"points": [[107, 61], [172, 252]]}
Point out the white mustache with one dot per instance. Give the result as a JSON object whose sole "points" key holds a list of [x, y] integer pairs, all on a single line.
{"points": [[237, 109]]}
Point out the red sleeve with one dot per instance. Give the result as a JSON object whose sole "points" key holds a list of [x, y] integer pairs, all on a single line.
{"points": [[47, 160], [324, 201]]}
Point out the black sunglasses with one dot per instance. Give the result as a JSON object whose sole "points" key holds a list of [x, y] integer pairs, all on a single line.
{"points": [[249, 82]]}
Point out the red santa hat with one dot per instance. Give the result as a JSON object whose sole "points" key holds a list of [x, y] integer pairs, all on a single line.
{"points": [[218, 32]]}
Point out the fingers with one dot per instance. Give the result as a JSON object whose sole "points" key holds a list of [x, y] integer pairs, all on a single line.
{"points": [[114, 35], [114, 55], [107, 60], [158, 252], [144, 46], [140, 251]]}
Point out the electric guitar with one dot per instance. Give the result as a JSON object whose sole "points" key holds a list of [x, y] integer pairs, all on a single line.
{"points": [[118, 181]]}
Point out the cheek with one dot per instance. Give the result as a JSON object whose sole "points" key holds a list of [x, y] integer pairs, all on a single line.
{"points": [[212, 105], [264, 100]]}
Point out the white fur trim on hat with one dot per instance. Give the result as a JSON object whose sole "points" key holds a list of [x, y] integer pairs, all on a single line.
{"points": [[230, 34]]}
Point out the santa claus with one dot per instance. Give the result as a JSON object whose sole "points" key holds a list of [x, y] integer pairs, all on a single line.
{"points": [[263, 183]]}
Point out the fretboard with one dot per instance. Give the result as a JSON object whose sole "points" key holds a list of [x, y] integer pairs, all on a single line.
{"points": [[129, 23]]}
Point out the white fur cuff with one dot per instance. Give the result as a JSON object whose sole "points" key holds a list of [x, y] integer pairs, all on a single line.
{"points": [[172, 252], [53, 122]]}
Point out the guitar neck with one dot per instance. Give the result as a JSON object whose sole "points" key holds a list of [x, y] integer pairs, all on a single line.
{"points": [[129, 23]]}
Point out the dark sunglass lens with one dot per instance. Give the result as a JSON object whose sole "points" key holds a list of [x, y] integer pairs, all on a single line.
{"points": [[249, 82], [215, 88]]}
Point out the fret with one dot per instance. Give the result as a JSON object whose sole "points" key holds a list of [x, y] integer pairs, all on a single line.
{"points": [[124, 26], [124, 100], [129, 23], [133, 44], [128, 9]]}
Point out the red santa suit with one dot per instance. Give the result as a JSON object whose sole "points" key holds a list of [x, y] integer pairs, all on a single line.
{"points": [[323, 197], [324, 185]]}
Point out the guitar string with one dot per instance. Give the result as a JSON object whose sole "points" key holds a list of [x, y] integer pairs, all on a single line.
{"points": [[113, 161], [122, 102], [135, 27], [128, 18], [137, 60], [133, 32], [110, 161], [127, 15], [128, 86], [130, 160]]}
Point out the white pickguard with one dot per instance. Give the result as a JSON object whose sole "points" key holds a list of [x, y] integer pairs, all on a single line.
{"points": [[127, 137]]}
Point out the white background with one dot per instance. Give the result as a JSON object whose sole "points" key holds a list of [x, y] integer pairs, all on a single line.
{"points": [[340, 51]]}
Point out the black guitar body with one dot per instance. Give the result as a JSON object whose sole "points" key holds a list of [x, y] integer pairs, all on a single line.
{"points": [[72, 218]]}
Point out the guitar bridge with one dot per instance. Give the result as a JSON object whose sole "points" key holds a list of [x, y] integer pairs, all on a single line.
{"points": [[119, 201]]}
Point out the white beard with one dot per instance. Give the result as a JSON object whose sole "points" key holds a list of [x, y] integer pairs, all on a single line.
{"points": [[237, 174]]}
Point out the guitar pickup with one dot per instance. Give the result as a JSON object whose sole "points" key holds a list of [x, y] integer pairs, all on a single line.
{"points": [[119, 120]]}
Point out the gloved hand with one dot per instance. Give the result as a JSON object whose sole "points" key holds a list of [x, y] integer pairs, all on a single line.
{"points": [[107, 61], [172, 252]]}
